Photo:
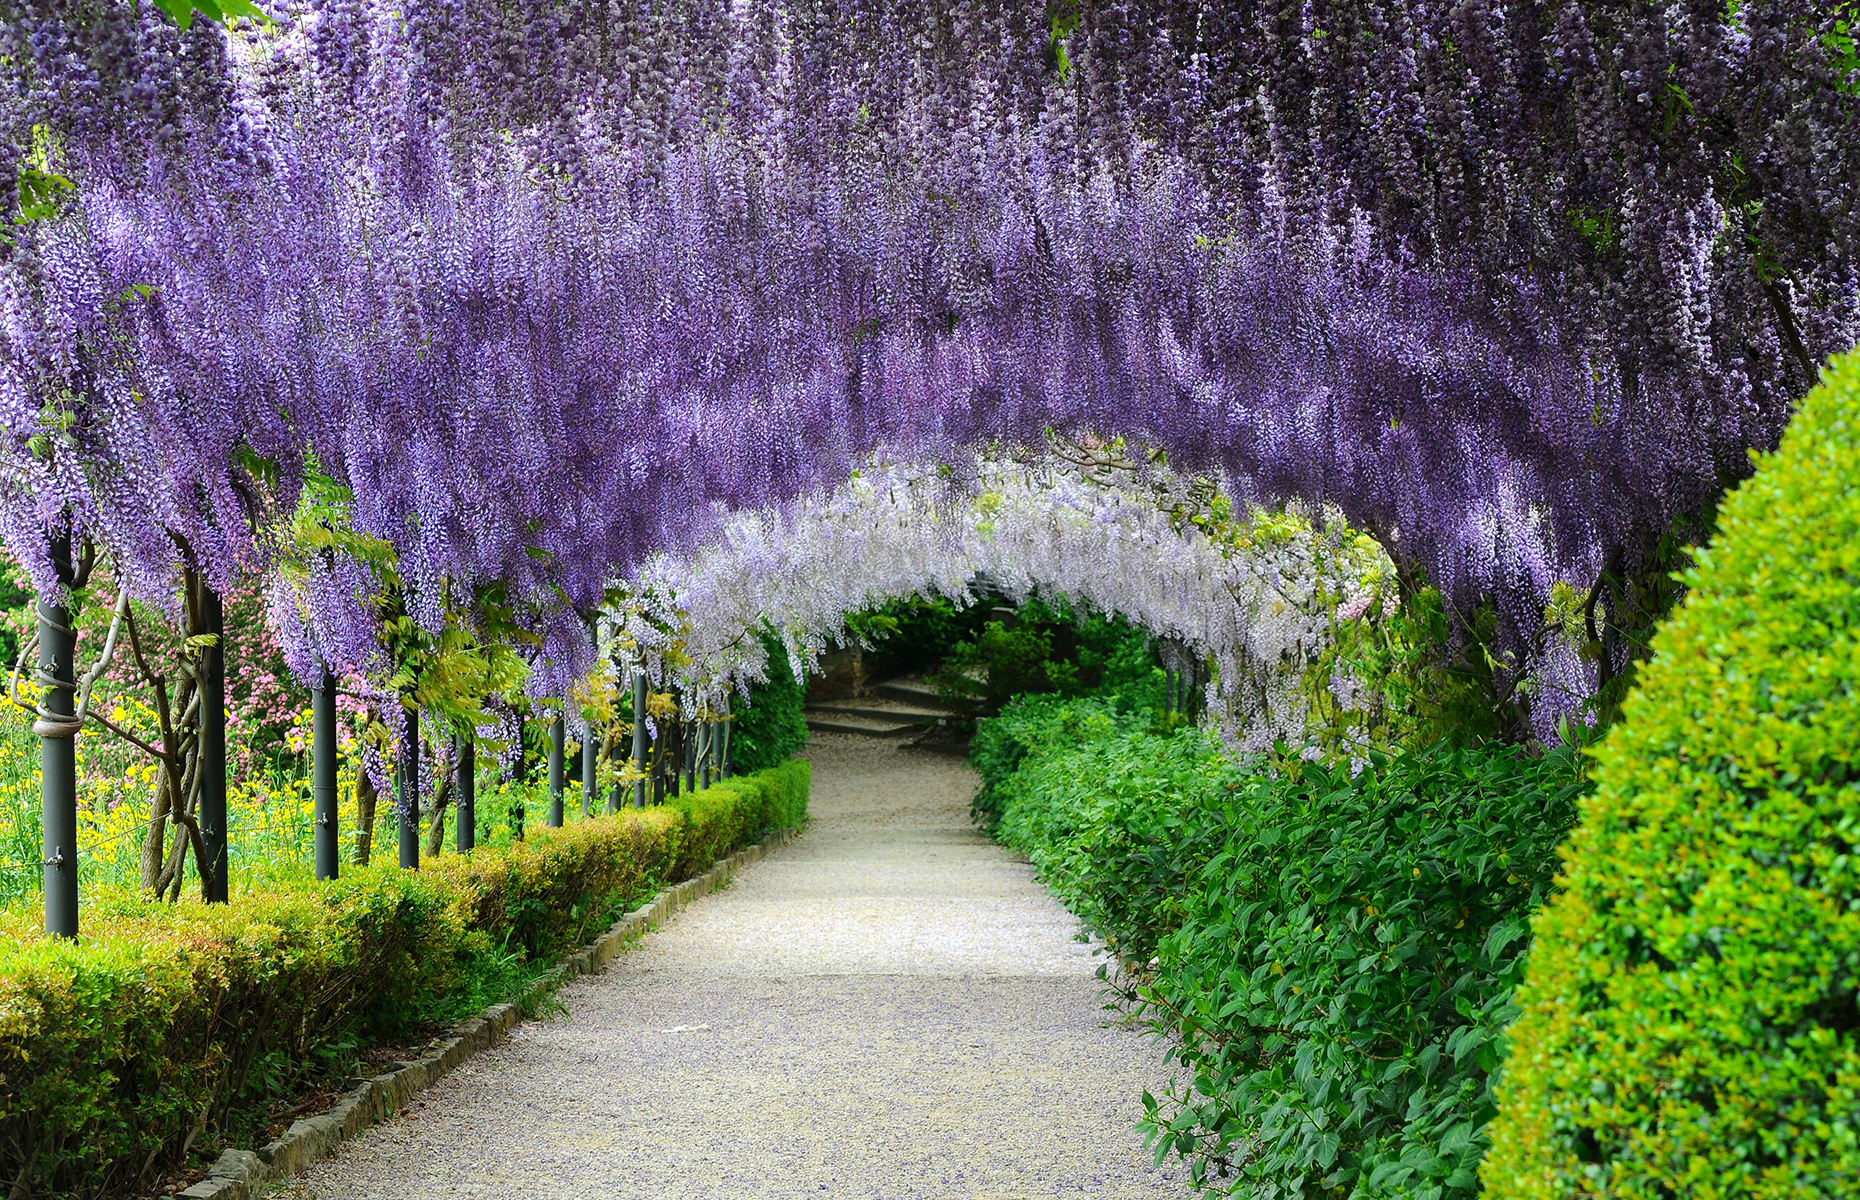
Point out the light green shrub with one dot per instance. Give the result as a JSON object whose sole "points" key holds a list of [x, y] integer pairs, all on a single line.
{"points": [[737, 811], [1689, 1025]]}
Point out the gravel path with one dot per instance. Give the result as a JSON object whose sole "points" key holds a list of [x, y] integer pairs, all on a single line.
{"points": [[890, 1007]]}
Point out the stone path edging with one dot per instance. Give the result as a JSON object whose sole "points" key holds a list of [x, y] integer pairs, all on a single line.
{"points": [[243, 1174]]}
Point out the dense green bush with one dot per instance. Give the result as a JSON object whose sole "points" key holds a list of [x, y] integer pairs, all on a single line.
{"points": [[1689, 1023], [1038, 725], [1115, 820], [770, 726], [152, 1031], [1051, 647], [918, 633], [1129, 696], [1334, 956], [1345, 966]]}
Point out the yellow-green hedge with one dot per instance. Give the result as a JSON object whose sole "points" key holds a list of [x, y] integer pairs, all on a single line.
{"points": [[1689, 1020], [733, 812], [117, 1046]]}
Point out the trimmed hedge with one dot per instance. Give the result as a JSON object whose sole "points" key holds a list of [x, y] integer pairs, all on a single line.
{"points": [[119, 1049], [738, 811], [1689, 1022]]}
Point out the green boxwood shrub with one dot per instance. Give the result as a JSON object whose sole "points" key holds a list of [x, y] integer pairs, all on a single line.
{"points": [[1689, 1024], [143, 1036], [737, 811]]}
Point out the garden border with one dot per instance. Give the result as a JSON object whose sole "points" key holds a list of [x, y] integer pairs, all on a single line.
{"points": [[243, 1174]]}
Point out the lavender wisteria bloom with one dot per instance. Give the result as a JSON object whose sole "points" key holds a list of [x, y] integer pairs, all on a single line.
{"points": [[1259, 606], [551, 285]]}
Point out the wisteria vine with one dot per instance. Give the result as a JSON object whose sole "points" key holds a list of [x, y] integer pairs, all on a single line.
{"points": [[551, 285], [1257, 598]]}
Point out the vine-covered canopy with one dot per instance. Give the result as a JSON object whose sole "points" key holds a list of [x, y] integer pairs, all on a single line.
{"points": [[1258, 596], [548, 285]]}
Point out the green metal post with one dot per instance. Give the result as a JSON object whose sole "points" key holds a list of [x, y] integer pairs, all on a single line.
{"points": [[465, 782], [409, 783], [558, 734], [213, 750], [639, 735], [323, 773]]}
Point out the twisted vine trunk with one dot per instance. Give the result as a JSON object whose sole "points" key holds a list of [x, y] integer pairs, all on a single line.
{"points": [[436, 832], [177, 785], [365, 798]]}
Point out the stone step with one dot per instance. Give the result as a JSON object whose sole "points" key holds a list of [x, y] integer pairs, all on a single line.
{"points": [[837, 723], [911, 689], [877, 709]]}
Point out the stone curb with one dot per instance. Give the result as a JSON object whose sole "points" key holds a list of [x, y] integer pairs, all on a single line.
{"points": [[245, 1174]]}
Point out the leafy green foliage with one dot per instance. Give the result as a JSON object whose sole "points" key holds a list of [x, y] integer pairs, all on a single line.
{"points": [[1049, 647], [181, 12], [1129, 695], [173, 1020], [1115, 819], [1036, 725], [477, 653], [15, 609], [41, 193], [769, 727], [1339, 987], [918, 633], [1331, 958], [1689, 1021]]}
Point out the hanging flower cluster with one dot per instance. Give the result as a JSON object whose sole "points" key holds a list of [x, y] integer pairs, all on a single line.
{"points": [[1256, 598], [556, 285]]}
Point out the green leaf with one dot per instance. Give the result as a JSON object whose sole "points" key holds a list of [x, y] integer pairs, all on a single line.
{"points": [[182, 11], [224, 11], [41, 193], [232, 10]]}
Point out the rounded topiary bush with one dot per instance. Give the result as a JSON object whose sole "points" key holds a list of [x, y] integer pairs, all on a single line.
{"points": [[1689, 1025]]}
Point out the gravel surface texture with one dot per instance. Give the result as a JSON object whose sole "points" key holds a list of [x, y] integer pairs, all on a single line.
{"points": [[889, 1007]]}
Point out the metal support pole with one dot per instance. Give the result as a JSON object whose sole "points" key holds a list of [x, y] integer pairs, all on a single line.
{"points": [[465, 782], [723, 757], [323, 773], [409, 784], [58, 760], [590, 767], [558, 734], [674, 737], [517, 772], [213, 750], [639, 735], [616, 795]]}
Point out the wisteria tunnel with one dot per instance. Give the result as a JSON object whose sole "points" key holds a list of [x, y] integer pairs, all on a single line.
{"points": [[1354, 501]]}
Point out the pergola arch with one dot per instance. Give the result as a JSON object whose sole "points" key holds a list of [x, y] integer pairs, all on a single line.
{"points": [[1257, 603]]}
